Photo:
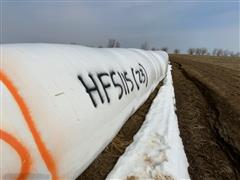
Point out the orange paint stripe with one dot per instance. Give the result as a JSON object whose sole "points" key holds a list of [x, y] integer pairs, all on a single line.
{"points": [[40, 144], [22, 152]]}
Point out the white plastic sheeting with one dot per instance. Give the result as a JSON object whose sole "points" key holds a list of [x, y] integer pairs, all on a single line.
{"points": [[62, 104], [157, 151]]}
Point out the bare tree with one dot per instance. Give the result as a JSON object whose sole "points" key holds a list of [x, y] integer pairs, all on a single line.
{"points": [[164, 49], [113, 43], [226, 53], [214, 53], [176, 51], [117, 44], [198, 51], [145, 46], [191, 51], [219, 52], [204, 51]]}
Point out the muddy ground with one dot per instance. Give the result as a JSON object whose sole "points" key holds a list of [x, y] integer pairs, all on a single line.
{"points": [[207, 91]]}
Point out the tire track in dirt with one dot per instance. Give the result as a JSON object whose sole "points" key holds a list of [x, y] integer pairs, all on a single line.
{"points": [[210, 152], [233, 157]]}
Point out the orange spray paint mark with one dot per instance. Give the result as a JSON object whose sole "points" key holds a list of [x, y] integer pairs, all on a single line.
{"points": [[22, 152], [46, 156]]}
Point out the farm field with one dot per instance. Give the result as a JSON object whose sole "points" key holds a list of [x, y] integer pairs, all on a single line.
{"points": [[207, 99]]}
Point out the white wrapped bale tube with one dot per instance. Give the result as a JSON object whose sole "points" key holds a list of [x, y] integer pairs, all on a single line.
{"points": [[62, 104]]}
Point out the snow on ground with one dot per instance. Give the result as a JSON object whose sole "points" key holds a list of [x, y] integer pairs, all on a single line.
{"points": [[157, 151]]}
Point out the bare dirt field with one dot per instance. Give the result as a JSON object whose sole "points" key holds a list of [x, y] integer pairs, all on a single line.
{"points": [[207, 91]]}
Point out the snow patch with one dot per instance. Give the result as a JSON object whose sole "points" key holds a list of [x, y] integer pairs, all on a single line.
{"points": [[157, 151]]}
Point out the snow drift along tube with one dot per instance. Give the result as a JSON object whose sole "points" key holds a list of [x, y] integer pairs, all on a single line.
{"points": [[157, 151], [62, 104]]}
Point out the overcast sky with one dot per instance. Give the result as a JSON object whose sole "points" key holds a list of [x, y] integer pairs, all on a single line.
{"points": [[175, 24]]}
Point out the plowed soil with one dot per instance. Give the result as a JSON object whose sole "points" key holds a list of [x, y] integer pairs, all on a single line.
{"points": [[207, 91]]}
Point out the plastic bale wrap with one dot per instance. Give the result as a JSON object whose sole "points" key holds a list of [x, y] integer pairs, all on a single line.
{"points": [[62, 104]]}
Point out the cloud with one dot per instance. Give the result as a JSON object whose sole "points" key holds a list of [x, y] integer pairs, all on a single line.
{"points": [[173, 24]]}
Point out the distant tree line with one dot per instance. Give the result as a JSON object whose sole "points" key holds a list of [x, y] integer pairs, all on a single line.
{"points": [[215, 52], [194, 51], [113, 43]]}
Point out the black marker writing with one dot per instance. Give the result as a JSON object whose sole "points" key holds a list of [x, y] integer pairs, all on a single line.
{"points": [[122, 80], [90, 90], [115, 84]]}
